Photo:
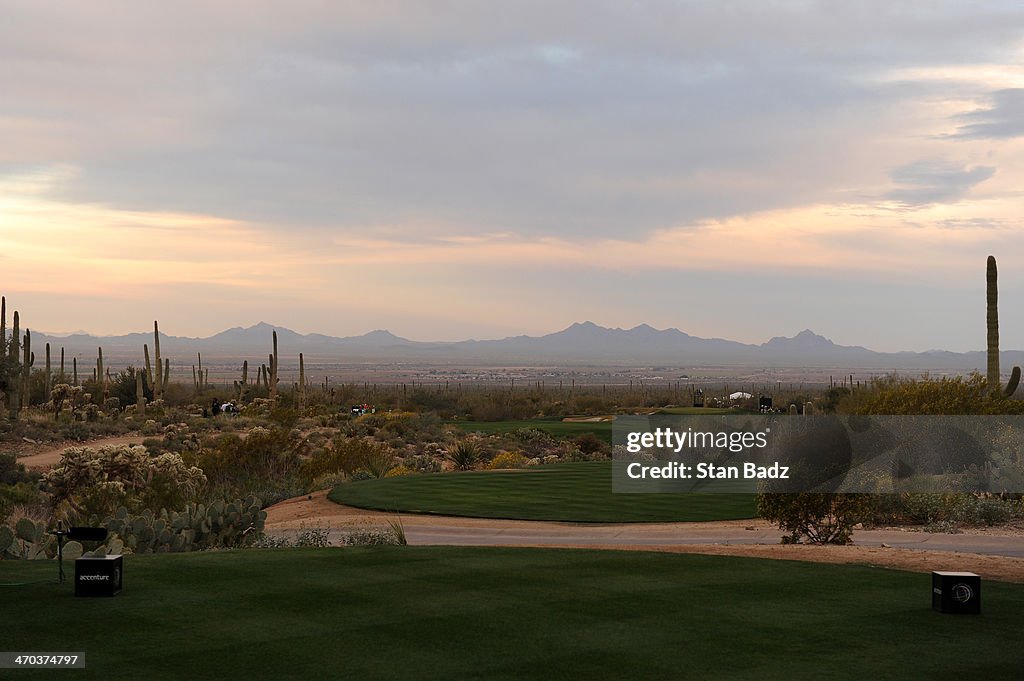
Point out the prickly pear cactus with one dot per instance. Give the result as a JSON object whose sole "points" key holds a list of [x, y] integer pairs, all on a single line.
{"points": [[28, 541], [196, 527]]}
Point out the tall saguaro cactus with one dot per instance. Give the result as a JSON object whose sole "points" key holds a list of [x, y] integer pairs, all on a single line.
{"points": [[140, 396], [99, 374], [49, 378], [992, 323], [273, 368], [158, 384], [199, 380], [992, 326], [14, 378]]}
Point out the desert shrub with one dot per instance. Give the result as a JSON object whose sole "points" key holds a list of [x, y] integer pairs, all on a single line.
{"points": [[313, 537], [568, 451], [265, 464], [589, 443], [12, 472], [980, 511], [284, 416], [951, 396], [326, 481], [95, 482], [465, 454], [937, 511], [394, 535], [348, 455], [266, 541], [18, 494], [424, 463], [817, 518], [122, 386], [591, 404], [18, 486], [926, 508], [508, 460]]}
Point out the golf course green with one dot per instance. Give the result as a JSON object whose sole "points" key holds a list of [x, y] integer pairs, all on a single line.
{"points": [[400, 613], [572, 492]]}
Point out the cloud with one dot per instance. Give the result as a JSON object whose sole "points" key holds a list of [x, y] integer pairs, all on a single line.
{"points": [[1004, 119], [931, 181], [560, 118]]}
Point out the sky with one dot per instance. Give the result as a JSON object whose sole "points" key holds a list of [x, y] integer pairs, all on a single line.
{"points": [[452, 169]]}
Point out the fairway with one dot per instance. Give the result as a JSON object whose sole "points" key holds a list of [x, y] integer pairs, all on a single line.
{"points": [[402, 613], [574, 492]]}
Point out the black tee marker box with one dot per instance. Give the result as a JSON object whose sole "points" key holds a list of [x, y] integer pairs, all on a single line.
{"points": [[956, 593], [99, 576]]}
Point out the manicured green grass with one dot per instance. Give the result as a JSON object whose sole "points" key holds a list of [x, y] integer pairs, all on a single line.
{"points": [[401, 613], [555, 427], [576, 492]]}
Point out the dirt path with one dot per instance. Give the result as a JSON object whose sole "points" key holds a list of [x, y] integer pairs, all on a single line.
{"points": [[50, 456], [994, 556]]}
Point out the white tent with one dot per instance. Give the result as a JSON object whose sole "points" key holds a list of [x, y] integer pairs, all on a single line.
{"points": [[740, 396]]}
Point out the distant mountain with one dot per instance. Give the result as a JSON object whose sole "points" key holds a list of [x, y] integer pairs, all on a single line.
{"points": [[580, 343]]}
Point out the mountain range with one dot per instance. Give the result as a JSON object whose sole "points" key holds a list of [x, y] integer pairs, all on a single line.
{"points": [[580, 343]]}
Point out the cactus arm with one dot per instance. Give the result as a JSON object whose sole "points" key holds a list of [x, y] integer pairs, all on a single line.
{"points": [[1011, 386]]}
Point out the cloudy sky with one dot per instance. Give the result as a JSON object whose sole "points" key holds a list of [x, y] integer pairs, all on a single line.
{"points": [[477, 169]]}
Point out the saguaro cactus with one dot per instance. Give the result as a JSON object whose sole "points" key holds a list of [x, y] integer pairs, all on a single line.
{"points": [[28, 359], [992, 326], [992, 323], [100, 375], [199, 379], [158, 384], [14, 378], [140, 396], [273, 369]]}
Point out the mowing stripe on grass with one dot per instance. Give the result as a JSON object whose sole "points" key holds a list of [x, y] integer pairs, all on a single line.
{"points": [[403, 613], [577, 492]]}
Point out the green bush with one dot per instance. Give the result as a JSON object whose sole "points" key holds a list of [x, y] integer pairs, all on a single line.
{"points": [[815, 517], [265, 461], [348, 455]]}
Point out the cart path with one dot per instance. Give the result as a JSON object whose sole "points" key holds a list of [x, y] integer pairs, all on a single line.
{"points": [[991, 554]]}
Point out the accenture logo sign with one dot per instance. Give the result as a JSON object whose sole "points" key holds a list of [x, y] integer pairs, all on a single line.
{"points": [[94, 578]]}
